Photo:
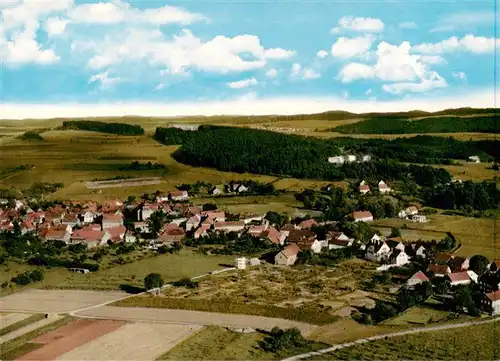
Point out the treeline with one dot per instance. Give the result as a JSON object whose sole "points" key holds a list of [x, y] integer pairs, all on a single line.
{"points": [[142, 166], [443, 124], [466, 196], [95, 126], [264, 152]]}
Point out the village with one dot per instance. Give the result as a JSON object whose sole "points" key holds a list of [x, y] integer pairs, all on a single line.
{"points": [[168, 220]]}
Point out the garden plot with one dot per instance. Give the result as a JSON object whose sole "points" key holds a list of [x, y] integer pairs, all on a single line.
{"points": [[55, 300], [135, 341]]}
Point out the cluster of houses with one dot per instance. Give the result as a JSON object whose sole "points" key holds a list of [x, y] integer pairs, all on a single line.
{"points": [[349, 158], [383, 188]]}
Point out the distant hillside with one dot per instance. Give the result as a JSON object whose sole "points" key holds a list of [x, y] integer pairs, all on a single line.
{"points": [[435, 124], [94, 126]]}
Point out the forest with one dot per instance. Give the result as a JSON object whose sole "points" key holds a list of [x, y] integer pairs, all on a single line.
{"points": [[444, 124], [102, 127]]}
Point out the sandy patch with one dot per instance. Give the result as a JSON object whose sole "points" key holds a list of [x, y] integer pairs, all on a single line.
{"points": [[12, 318], [124, 344], [69, 337], [55, 300]]}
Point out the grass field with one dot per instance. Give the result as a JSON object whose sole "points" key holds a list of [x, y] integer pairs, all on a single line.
{"points": [[467, 343], [217, 343], [476, 234], [170, 266], [421, 316]]}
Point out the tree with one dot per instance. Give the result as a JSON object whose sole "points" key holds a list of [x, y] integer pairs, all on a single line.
{"points": [[155, 223], [153, 280], [478, 264], [279, 340], [395, 232]]}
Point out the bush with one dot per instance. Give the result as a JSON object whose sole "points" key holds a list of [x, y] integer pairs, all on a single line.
{"points": [[280, 340], [22, 279], [186, 282], [209, 207], [36, 276]]}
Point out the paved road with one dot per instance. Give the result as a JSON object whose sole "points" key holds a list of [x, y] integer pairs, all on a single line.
{"points": [[28, 328], [162, 315], [390, 335]]}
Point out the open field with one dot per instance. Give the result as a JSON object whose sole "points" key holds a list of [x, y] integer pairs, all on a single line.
{"points": [[172, 267], [24, 320], [66, 338], [46, 301], [478, 342], [317, 295], [422, 315], [471, 171], [40, 323], [134, 341], [11, 318], [475, 234]]}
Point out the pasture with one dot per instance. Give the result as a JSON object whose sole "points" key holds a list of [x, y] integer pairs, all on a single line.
{"points": [[477, 235]]}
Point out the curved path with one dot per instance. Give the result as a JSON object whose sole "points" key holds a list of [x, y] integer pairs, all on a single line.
{"points": [[390, 335]]}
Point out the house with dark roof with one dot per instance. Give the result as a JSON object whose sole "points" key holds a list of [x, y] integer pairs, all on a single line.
{"points": [[438, 270], [376, 251], [491, 303], [458, 264], [443, 257], [489, 281]]}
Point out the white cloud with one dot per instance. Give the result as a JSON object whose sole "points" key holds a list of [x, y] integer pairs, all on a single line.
{"points": [[322, 54], [242, 83], [121, 12], [368, 92], [460, 75], [55, 26], [180, 53], [350, 47], [159, 87], [367, 25], [407, 25], [278, 53], [461, 20], [284, 105], [396, 64], [310, 73], [296, 68], [354, 71], [18, 14], [23, 48], [272, 73], [432, 59], [434, 81], [248, 97], [104, 79], [468, 43]]}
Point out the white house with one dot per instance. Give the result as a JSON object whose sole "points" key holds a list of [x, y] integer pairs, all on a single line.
{"points": [[88, 217], [411, 210], [351, 158], [419, 218], [111, 220], [376, 251], [287, 256], [363, 187], [416, 279], [491, 303], [375, 237], [396, 244], [474, 159], [402, 214], [383, 187], [366, 158], [234, 226], [398, 258], [338, 159], [362, 216], [179, 195], [193, 222]]}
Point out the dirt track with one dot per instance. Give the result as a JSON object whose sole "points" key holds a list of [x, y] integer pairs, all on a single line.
{"points": [[47, 301], [123, 344], [161, 315]]}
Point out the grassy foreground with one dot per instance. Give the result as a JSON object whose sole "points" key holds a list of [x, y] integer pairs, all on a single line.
{"points": [[480, 342], [218, 343], [311, 316]]}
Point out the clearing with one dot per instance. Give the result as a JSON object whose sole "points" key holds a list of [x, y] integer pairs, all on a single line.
{"points": [[475, 234], [124, 344]]}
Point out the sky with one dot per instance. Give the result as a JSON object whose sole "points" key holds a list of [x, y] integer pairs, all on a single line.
{"points": [[156, 58]]}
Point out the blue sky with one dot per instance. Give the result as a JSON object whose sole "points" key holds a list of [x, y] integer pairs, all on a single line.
{"points": [[244, 57]]}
